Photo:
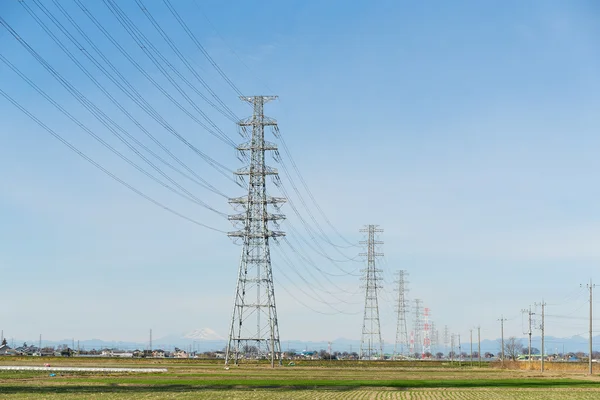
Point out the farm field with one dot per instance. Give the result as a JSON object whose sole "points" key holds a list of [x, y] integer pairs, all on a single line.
{"points": [[201, 379]]}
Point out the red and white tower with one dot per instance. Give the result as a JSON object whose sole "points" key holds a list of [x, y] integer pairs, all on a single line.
{"points": [[426, 333]]}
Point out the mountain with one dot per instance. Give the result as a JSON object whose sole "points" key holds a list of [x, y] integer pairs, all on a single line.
{"points": [[203, 334]]}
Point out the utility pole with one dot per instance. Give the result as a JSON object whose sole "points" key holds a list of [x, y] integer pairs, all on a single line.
{"points": [[150, 343], [529, 313], [502, 319], [371, 330], [542, 328], [401, 325], [40, 345], [471, 340], [459, 351], [255, 294], [479, 344], [590, 286]]}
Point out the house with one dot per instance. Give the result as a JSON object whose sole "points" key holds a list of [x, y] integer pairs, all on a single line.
{"points": [[47, 351], [180, 353], [7, 351], [27, 350], [158, 353]]}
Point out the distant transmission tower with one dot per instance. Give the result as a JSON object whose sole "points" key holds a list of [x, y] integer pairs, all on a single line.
{"points": [[401, 309], [426, 334], [417, 327], [435, 340], [371, 331], [446, 339], [254, 331]]}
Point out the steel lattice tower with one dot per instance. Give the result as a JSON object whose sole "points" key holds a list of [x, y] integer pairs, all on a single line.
{"points": [[446, 339], [401, 310], [417, 327], [254, 331], [371, 331], [434, 337], [426, 334]]}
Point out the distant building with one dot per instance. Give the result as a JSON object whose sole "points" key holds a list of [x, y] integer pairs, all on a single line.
{"points": [[158, 353], [7, 351], [180, 354]]}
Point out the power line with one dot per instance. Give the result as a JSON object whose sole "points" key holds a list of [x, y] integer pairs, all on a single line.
{"points": [[294, 268], [183, 59], [144, 46], [231, 48], [136, 97], [200, 47], [87, 104], [310, 194], [186, 194], [100, 115], [100, 167]]}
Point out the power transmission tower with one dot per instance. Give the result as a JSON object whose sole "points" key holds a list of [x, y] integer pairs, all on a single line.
{"points": [[452, 348], [426, 334], [255, 294], [529, 313], [371, 331], [446, 339], [590, 286], [434, 338], [417, 325], [401, 326]]}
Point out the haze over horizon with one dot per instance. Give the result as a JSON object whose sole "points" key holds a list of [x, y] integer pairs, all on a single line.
{"points": [[467, 131]]}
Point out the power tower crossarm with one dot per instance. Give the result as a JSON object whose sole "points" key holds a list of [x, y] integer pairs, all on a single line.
{"points": [[255, 294]]}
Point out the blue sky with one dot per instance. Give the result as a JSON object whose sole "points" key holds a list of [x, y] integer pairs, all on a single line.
{"points": [[466, 130]]}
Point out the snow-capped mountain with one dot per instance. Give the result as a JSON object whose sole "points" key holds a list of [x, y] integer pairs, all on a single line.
{"points": [[203, 334]]}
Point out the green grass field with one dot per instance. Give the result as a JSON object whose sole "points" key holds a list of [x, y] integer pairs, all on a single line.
{"points": [[326, 380]]}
